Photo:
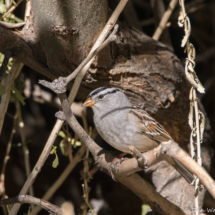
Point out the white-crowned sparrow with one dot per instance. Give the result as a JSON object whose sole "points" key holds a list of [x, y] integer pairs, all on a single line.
{"points": [[121, 125]]}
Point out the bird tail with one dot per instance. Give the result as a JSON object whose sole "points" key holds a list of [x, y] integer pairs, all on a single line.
{"points": [[183, 171]]}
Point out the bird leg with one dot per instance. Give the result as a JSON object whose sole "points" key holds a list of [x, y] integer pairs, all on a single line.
{"points": [[116, 162]]}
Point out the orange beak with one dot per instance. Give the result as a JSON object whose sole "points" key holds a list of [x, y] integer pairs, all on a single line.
{"points": [[88, 103]]}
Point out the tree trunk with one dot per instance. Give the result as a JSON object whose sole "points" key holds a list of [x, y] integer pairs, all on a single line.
{"points": [[59, 35]]}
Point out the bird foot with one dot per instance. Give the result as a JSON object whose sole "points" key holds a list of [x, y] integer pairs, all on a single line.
{"points": [[115, 165]]}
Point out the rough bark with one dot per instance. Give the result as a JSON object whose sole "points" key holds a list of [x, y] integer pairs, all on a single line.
{"points": [[70, 27], [59, 35]]}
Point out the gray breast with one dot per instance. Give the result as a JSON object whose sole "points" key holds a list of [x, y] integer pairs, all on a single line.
{"points": [[117, 131], [121, 131]]}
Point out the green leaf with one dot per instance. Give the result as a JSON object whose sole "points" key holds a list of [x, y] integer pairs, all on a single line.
{"points": [[62, 147], [62, 134], [17, 95], [144, 209], [3, 8], [56, 160]]}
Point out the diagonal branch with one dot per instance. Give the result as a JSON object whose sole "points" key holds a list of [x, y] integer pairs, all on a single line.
{"points": [[61, 178], [11, 25], [164, 20], [127, 169], [171, 149], [8, 82], [134, 182]]}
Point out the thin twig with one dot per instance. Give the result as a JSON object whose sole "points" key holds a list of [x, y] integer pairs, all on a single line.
{"points": [[11, 25], [70, 145], [9, 80], [3, 67], [111, 38], [85, 185], [23, 199], [7, 157], [27, 9], [84, 120], [11, 9], [8, 3], [77, 158], [164, 20], [147, 22], [111, 22], [86, 174], [94, 170], [85, 196], [24, 146]]}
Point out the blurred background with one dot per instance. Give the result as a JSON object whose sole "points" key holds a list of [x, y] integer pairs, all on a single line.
{"points": [[40, 106]]}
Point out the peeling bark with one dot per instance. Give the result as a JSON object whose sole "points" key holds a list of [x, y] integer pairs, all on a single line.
{"points": [[59, 35]]}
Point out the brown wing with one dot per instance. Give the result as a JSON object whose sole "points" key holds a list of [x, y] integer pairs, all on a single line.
{"points": [[150, 126]]}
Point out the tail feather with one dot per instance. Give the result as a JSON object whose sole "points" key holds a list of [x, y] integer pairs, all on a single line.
{"points": [[183, 171]]}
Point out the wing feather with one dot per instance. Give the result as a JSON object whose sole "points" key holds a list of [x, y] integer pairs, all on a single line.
{"points": [[150, 126]]}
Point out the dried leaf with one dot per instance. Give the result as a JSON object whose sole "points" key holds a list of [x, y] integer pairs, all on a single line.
{"points": [[192, 53], [194, 130], [190, 67], [197, 189], [190, 116], [192, 150], [199, 161], [193, 79], [180, 19], [202, 125], [187, 32], [191, 94]]}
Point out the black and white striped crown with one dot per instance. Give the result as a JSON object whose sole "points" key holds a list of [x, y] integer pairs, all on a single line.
{"points": [[102, 90]]}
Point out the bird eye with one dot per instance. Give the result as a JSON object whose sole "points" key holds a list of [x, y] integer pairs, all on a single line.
{"points": [[101, 96]]}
